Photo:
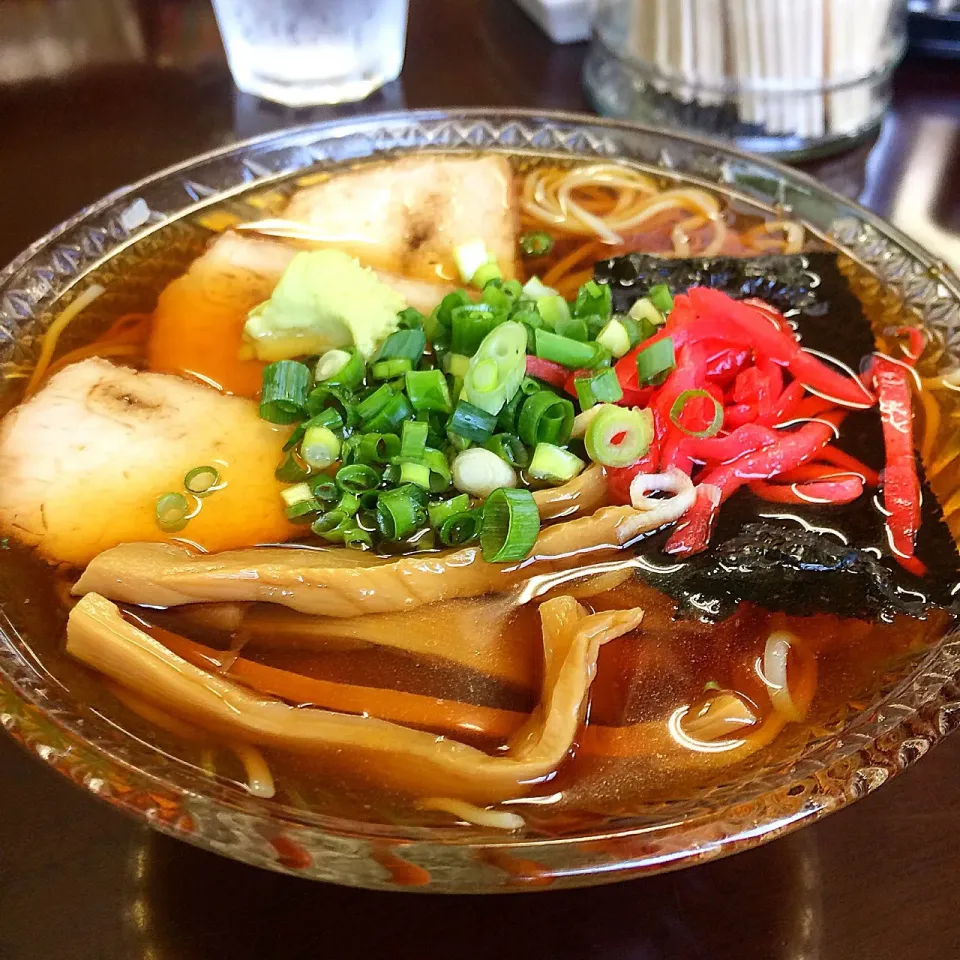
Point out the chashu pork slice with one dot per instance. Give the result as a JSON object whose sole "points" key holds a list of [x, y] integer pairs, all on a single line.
{"points": [[408, 216], [197, 328], [83, 461]]}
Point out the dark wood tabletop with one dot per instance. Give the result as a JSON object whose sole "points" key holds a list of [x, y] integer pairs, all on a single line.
{"points": [[879, 881]]}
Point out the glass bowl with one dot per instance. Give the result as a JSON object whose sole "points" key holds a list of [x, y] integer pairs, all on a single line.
{"points": [[910, 713]]}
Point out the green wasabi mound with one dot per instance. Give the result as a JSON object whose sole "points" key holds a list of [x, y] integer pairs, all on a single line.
{"points": [[324, 299]]}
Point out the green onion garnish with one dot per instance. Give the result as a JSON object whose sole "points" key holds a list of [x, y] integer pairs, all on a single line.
{"points": [[470, 324], [617, 437], [357, 478], [643, 311], [293, 469], [356, 538], [368, 408], [656, 361], [554, 464], [172, 511], [410, 319], [497, 368], [378, 448], [330, 397], [413, 439], [536, 244], [304, 511], [201, 481], [615, 337], [442, 510], [283, 397], [602, 388], [404, 343], [341, 368], [328, 417], [333, 526], [486, 272], [388, 420], [593, 300], [573, 327], [298, 493], [693, 396], [324, 488], [461, 528], [428, 390], [661, 297], [440, 473], [456, 364], [320, 447], [390, 369], [545, 418], [399, 513], [509, 448], [563, 350], [472, 423], [511, 523]]}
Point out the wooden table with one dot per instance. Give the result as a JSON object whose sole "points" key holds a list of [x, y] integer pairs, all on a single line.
{"points": [[79, 882]]}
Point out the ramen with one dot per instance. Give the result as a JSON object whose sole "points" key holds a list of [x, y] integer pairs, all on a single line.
{"points": [[457, 489]]}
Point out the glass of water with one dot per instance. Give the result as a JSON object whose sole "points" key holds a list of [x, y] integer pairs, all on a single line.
{"points": [[306, 52]]}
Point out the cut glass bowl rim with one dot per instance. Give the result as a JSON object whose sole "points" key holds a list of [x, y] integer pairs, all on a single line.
{"points": [[875, 745]]}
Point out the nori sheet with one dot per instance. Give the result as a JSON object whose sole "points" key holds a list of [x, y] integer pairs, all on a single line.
{"points": [[774, 555]]}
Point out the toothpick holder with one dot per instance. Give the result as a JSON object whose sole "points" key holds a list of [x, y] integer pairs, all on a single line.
{"points": [[795, 78]]}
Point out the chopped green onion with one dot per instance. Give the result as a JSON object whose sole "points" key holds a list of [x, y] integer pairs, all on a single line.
{"points": [[509, 416], [372, 405], [479, 472], [442, 510], [511, 523], [341, 368], [661, 297], [545, 418], [529, 386], [293, 469], [297, 494], [388, 420], [656, 361], [497, 368], [615, 337], [461, 528], [357, 478], [643, 309], [399, 512], [202, 481], [349, 503], [324, 488], [332, 397], [172, 511], [553, 308], [428, 390], [456, 364], [410, 319], [413, 472], [356, 538], [413, 439], [470, 325], [499, 298], [320, 447], [509, 449], [680, 404], [486, 272], [617, 437], [554, 464], [333, 526], [390, 369], [602, 388], [469, 258], [593, 300], [573, 327], [472, 423], [303, 511], [378, 448], [563, 350], [534, 289], [283, 397], [440, 472], [536, 244], [404, 343], [329, 418]]}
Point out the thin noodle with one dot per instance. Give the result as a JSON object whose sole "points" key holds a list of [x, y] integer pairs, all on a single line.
{"points": [[470, 813], [259, 778], [54, 331]]}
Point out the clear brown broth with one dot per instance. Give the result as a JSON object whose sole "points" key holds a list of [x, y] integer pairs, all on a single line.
{"points": [[641, 679]]}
